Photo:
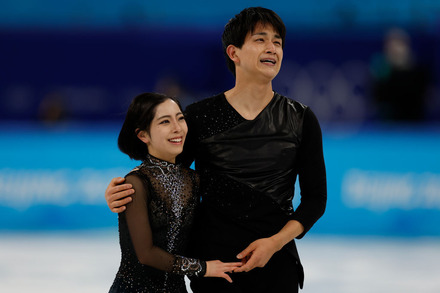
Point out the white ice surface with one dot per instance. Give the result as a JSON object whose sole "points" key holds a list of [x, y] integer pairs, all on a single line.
{"points": [[72, 262]]}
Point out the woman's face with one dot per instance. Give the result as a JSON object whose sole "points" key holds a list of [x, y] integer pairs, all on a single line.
{"points": [[167, 132]]}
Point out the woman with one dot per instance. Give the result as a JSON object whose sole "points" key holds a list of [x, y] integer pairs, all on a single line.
{"points": [[154, 228]]}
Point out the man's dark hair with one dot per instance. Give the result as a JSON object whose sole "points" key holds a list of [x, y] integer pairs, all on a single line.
{"points": [[139, 116], [238, 27]]}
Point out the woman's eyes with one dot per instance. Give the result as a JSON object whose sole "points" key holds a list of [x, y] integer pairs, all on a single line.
{"points": [[166, 121]]}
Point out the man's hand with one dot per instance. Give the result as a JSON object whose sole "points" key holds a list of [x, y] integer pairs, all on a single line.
{"points": [[257, 254], [117, 194]]}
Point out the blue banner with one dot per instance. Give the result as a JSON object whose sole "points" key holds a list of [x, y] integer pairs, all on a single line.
{"points": [[380, 182]]}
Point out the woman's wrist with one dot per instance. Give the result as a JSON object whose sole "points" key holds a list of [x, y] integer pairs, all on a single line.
{"points": [[202, 270]]}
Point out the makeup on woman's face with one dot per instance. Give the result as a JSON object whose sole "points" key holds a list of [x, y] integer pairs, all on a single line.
{"points": [[167, 132]]}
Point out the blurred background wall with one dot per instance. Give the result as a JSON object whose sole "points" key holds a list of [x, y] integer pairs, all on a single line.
{"points": [[368, 69]]}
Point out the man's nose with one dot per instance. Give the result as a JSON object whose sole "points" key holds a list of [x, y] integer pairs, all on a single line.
{"points": [[270, 48]]}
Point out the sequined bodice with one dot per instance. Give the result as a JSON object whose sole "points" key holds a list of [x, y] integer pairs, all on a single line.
{"points": [[170, 199], [171, 203]]}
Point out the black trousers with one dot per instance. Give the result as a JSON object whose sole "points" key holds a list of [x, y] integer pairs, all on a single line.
{"points": [[280, 275]]}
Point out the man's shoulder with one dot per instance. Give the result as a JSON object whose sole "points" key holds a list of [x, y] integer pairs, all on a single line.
{"points": [[299, 110], [291, 103], [207, 105], [206, 102]]}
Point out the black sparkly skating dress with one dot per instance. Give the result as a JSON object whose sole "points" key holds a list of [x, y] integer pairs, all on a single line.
{"points": [[154, 229]]}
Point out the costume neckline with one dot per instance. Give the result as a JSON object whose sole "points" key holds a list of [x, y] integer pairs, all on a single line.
{"points": [[225, 100], [152, 160]]}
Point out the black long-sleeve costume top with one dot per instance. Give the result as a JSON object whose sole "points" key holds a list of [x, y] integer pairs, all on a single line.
{"points": [[154, 229], [248, 170]]}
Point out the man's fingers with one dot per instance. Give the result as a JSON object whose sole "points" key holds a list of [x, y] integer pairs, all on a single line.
{"points": [[117, 180], [114, 183], [232, 266], [118, 193], [122, 187], [245, 252], [118, 210], [120, 203], [246, 267], [241, 254]]}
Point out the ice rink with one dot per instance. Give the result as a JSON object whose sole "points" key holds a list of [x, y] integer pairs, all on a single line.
{"points": [[85, 262]]}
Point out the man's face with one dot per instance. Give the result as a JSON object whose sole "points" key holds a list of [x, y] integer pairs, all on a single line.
{"points": [[261, 54]]}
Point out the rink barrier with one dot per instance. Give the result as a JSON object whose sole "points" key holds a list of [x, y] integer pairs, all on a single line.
{"points": [[380, 182]]}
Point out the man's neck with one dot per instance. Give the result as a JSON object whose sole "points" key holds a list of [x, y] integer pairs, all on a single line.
{"points": [[250, 99]]}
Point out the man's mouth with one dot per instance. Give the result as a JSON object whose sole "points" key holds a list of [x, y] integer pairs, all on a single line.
{"points": [[271, 61]]}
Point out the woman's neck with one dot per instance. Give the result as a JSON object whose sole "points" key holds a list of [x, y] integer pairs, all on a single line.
{"points": [[171, 159]]}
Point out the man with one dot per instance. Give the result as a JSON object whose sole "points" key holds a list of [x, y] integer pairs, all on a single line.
{"points": [[249, 145]]}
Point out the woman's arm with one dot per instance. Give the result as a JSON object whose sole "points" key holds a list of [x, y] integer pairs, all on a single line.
{"points": [[148, 254]]}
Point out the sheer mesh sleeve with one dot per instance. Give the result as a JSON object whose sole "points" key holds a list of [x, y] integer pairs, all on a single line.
{"points": [[142, 237]]}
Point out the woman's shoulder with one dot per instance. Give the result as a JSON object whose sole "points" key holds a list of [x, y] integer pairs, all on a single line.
{"points": [[189, 171], [192, 174], [138, 173]]}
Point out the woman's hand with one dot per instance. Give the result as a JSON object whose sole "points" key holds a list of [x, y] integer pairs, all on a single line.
{"points": [[216, 268]]}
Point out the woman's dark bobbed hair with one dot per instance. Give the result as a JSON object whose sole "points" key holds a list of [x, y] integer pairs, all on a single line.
{"points": [[139, 116]]}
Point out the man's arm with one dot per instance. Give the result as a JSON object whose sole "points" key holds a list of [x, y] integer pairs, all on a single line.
{"points": [[259, 252], [312, 181], [118, 194]]}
